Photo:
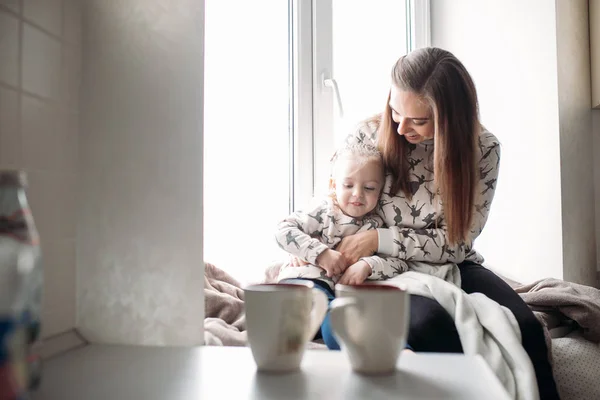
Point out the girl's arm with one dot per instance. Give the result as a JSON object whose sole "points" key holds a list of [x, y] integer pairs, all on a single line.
{"points": [[298, 234]]}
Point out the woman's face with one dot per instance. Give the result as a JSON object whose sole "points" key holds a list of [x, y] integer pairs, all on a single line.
{"points": [[412, 114]]}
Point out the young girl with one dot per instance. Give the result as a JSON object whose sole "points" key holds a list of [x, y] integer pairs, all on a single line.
{"points": [[355, 186]]}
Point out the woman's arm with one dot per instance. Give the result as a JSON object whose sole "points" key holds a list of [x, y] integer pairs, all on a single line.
{"points": [[431, 244], [364, 242], [383, 268]]}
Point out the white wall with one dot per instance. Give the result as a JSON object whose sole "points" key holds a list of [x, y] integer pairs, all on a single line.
{"points": [[40, 57], [576, 141], [596, 147], [140, 270], [510, 49]]}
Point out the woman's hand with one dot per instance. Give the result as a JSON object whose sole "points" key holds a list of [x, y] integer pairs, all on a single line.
{"points": [[333, 262], [356, 273], [359, 245]]}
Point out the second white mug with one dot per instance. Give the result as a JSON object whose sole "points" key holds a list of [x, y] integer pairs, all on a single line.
{"points": [[371, 323]]}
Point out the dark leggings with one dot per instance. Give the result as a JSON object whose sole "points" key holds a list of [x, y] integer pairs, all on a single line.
{"points": [[432, 328]]}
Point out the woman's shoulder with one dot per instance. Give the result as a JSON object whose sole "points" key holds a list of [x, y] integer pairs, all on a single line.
{"points": [[489, 148], [487, 139]]}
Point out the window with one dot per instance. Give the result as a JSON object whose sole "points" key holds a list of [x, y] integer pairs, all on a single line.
{"points": [[272, 115]]}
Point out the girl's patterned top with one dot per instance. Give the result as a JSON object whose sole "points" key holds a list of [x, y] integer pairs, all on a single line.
{"points": [[306, 234], [416, 229]]}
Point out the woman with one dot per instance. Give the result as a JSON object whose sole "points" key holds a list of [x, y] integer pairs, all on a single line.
{"points": [[442, 170]]}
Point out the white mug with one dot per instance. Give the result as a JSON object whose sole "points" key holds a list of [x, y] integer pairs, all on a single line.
{"points": [[281, 318], [371, 323]]}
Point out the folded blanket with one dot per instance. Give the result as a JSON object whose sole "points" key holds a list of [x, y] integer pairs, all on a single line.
{"points": [[485, 328], [580, 303]]}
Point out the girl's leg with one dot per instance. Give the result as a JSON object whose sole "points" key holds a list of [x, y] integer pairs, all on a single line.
{"points": [[326, 331], [476, 278]]}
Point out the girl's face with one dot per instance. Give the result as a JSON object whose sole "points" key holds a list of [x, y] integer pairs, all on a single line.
{"points": [[357, 183], [412, 114]]}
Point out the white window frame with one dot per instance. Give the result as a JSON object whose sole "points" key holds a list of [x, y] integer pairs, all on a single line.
{"points": [[302, 166], [418, 30], [313, 104]]}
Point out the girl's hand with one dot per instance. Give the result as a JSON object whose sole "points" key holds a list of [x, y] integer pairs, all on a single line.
{"points": [[356, 273], [297, 262], [359, 245]]}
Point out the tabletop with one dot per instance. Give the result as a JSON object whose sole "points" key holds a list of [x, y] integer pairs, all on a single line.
{"points": [[115, 372]]}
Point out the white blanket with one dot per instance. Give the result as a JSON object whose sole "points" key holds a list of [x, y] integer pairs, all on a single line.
{"points": [[485, 328]]}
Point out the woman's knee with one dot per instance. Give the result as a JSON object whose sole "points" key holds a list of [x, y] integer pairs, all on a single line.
{"points": [[425, 313], [431, 327], [531, 327]]}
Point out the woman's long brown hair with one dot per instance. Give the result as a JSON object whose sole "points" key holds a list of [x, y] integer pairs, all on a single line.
{"points": [[442, 80]]}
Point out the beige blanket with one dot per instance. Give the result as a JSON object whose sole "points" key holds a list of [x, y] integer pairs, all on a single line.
{"points": [[559, 299], [224, 322]]}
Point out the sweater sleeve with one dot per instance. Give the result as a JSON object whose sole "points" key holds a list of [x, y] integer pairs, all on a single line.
{"points": [[299, 233], [382, 267], [431, 244], [385, 267]]}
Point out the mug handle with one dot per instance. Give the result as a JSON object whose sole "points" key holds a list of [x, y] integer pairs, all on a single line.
{"points": [[320, 304], [338, 318]]}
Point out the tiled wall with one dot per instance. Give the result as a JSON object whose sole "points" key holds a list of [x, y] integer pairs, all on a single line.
{"points": [[40, 75]]}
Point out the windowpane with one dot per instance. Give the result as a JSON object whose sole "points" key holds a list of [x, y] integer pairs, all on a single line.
{"points": [[246, 133], [367, 39]]}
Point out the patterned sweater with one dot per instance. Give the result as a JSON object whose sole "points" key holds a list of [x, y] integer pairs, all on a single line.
{"points": [[306, 234], [416, 229]]}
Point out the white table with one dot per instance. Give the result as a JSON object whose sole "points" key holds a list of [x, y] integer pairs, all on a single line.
{"points": [[101, 372]]}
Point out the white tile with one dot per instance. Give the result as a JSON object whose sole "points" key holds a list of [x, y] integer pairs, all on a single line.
{"points": [[49, 136], [41, 63], [9, 49], [58, 307], [38, 127], [70, 80], [10, 138], [72, 19], [13, 5], [45, 13]]}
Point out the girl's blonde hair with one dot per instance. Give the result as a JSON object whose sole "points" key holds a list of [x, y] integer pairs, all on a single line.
{"points": [[362, 151], [442, 80]]}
